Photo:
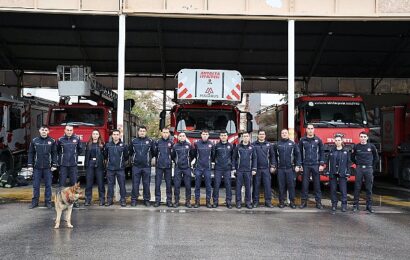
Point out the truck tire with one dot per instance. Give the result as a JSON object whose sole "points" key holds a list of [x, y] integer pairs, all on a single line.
{"points": [[404, 174]]}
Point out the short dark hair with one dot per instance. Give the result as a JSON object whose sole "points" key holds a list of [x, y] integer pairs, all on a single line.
{"points": [[68, 125], [206, 131], [115, 130], [339, 135], [364, 133], [43, 126], [165, 128], [309, 125], [142, 127], [245, 133], [223, 132], [284, 129]]}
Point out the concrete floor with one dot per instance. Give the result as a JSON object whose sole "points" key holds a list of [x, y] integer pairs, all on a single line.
{"points": [[157, 233]]}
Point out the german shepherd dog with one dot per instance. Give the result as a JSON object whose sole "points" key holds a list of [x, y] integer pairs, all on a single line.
{"points": [[64, 200]]}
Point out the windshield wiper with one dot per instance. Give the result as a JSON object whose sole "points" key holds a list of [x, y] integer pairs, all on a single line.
{"points": [[327, 123]]}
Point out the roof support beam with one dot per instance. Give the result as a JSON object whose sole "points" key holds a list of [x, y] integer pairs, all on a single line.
{"points": [[161, 48], [318, 55], [390, 59]]}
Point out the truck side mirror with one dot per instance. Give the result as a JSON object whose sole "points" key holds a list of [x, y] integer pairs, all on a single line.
{"points": [[376, 116], [249, 125], [161, 123], [129, 104], [162, 115], [249, 116]]}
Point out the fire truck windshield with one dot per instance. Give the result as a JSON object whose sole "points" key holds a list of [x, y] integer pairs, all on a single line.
{"points": [[77, 116], [335, 113], [213, 119]]}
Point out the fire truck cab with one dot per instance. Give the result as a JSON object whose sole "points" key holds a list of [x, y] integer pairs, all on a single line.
{"points": [[95, 109], [330, 115], [207, 99]]}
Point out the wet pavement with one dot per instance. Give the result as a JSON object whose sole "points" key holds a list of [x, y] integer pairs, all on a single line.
{"points": [[157, 233], [152, 233]]}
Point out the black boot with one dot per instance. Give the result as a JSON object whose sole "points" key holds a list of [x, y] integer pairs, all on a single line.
{"points": [[176, 204], [156, 204], [344, 207], [319, 205], [48, 205], [281, 205], [208, 204], [355, 208], [333, 208], [303, 204], [292, 205], [169, 204], [268, 204], [197, 204], [76, 204], [188, 204], [370, 209]]}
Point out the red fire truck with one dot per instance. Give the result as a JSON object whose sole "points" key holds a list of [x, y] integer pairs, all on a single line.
{"points": [[20, 119], [395, 132], [330, 115], [95, 109], [207, 99]]}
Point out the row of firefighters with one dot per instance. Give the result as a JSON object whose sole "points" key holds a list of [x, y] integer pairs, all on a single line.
{"points": [[253, 164]]}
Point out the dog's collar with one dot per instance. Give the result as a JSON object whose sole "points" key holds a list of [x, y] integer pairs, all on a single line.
{"points": [[66, 198]]}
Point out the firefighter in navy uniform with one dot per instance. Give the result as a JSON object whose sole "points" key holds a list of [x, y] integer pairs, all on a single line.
{"points": [[288, 164], [312, 154], [94, 164], [202, 151], [244, 164], [181, 155], [68, 147], [266, 166], [162, 150], [116, 154], [365, 156], [338, 168], [141, 150], [42, 160], [222, 156]]}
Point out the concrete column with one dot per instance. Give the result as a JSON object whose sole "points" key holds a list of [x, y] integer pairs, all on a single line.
{"points": [[120, 90], [291, 78]]}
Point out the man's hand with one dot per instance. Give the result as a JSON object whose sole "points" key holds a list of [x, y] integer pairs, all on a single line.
{"points": [[253, 173], [53, 169], [30, 169], [297, 168], [321, 168], [233, 173], [272, 169]]}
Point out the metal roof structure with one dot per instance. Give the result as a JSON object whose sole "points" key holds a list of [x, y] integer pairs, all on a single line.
{"points": [[358, 53]]}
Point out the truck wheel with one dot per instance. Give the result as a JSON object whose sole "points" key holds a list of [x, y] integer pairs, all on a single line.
{"points": [[404, 176]]}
